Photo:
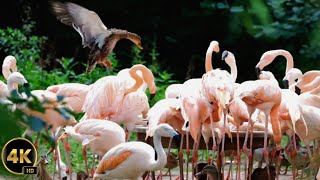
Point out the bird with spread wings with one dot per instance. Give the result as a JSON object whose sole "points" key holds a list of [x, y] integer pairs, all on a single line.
{"points": [[93, 32]]}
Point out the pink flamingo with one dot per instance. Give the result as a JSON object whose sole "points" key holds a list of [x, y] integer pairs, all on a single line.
{"points": [[269, 56], [100, 135], [9, 66], [74, 94], [125, 74], [220, 92], [132, 106], [265, 96], [166, 111], [107, 93]]}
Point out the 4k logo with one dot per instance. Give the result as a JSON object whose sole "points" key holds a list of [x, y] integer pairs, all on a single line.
{"points": [[19, 153]]}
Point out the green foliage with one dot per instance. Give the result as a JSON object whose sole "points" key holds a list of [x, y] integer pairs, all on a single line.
{"points": [[16, 120]]}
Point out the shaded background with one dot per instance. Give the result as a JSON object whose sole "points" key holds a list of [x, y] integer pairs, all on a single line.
{"points": [[182, 31]]}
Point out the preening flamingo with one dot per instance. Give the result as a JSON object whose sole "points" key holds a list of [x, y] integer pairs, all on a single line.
{"points": [[133, 108], [74, 94], [99, 135], [125, 74], [130, 160], [165, 111], [93, 32], [107, 93]]}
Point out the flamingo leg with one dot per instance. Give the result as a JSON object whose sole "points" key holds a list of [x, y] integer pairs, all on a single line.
{"points": [[245, 149], [214, 144], [54, 164], [238, 155], [230, 167], [84, 153], [250, 151], [59, 167], [195, 153], [93, 164], [265, 143], [169, 148], [181, 157], [67, 154], [188, 154], [223, 141]]}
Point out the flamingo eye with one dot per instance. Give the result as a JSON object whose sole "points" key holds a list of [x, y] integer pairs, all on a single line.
{"points": [[210, 102]]}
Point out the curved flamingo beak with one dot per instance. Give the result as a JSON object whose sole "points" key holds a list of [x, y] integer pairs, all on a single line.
{"points": [[224, 55], [152, 96], [297, 90], [285, 84]]}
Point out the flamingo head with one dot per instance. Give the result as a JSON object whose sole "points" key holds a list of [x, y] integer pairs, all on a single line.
{"points": [[293, 75]]}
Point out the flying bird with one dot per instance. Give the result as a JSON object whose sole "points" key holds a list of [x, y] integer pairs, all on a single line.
{"points": [[93, 32]]}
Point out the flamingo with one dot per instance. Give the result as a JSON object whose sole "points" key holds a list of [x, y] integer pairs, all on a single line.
{"points": [[130, 160], [107, 93], [125, 74], [269, 56], [101, 136], [302, 83], [194, 108], [265, 96], [165, 111], [74, 94], [9, 66], [132, 106], [173, 91], [221, 91]]}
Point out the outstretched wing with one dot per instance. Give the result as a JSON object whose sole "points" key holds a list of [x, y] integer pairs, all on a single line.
{"points": [[86, 22]]}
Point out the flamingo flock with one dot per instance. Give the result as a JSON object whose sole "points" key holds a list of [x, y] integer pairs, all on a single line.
{"points": [[209, 107]]}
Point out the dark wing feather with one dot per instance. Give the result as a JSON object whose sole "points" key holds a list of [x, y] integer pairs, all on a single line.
{"points": [[86, 22]]}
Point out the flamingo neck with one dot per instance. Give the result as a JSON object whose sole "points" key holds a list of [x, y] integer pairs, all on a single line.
{"points": [[138, 81], [233, 70], [12, 85], [162, 157], [147, 77], [288, 57], [208, 63]]}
